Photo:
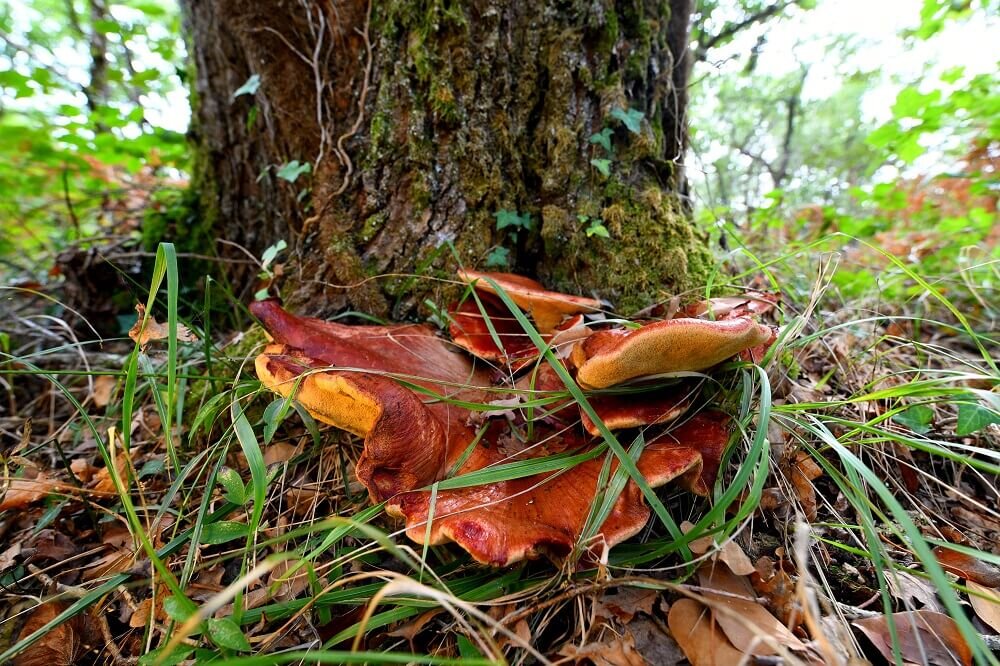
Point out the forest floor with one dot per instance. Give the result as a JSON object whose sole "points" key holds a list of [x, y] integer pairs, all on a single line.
{"points": [[855, 518]]}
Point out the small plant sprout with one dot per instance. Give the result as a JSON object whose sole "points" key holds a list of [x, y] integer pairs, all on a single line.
{"points": [[266, 272]]}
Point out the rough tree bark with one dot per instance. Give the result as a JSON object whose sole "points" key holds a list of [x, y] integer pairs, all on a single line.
{"points": [[422, 119]]}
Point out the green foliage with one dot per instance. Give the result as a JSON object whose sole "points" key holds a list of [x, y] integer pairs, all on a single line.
{"points": [[512, 220], [71, 132], [631, 118], [291, 171]]}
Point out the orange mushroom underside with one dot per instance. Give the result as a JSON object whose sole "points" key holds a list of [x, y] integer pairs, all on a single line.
{"points": [[409, 394]]}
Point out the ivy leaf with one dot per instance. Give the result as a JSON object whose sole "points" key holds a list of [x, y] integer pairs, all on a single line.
{"points": [[631, 118], [291, 171], [510, 218], [603, 139], [249, 87], [498, 257], [917, 418], [604, 166], [973, 417], [227, 634]]}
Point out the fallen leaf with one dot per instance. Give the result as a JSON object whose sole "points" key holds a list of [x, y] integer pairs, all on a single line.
{"points": [[626, 603], [925, 637], [51, 545], [730, 553], [968, 567], [103, 386], [619, 651], [747, 622], [302, 501], [701, 639], [909, 589], [154, 330], [9, 556], [22, 491], [986, 602], [780, 591], [112, 563], [801, 474], [409, 630], [654, 643], [82, 469], [280, 452], [64, 645]]}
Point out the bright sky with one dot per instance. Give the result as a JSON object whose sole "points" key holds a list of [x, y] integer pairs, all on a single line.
{"points": [[876, 25]]}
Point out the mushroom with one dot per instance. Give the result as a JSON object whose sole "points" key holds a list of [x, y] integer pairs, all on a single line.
{"points": [[614, 356], [412, 399], [547, 308]]}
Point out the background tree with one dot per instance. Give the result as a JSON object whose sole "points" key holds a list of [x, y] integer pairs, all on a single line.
{"points": [[545, 138]]}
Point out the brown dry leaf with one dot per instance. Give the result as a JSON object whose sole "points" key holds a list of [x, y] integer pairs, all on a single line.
{"points": [[701, 639], [102, 482], [731, 553], [112, 563], [968, 567], [302, 501], [63, 646], [82, 469], [8, 557], [280, 452], [285, 583], [409, 630], [616, 652], [986, 602], [154, 330], [626, 603], [909, 589], [925, 637], [654, 643], [51, 545], [22, 491], [103, 386], [801, 474], [779, 589], [746, 621]]}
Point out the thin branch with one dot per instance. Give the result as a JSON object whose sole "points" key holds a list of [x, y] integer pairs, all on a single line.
{"points": [[730, 31]]}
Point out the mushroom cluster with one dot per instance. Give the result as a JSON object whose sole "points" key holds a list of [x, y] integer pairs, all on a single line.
{"points": [[429, 409]]}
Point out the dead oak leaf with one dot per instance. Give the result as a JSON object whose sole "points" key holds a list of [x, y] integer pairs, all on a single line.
{"points": [[147, 329], [626, 604]]}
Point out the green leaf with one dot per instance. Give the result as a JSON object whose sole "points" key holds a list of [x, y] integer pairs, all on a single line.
{"points": [[274, 414], [236, 490], [249, 87], [272, 252], [223, 531], [631, 118], [178, 609], [291, 171], [161, 658], [603, 139], [973, 417], [597, 228], [604, 166], [498, 257], [227, 634], [510, 218], [917, 418]]}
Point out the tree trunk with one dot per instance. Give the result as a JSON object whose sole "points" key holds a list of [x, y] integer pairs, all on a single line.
{"points": [[421, 120]]}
